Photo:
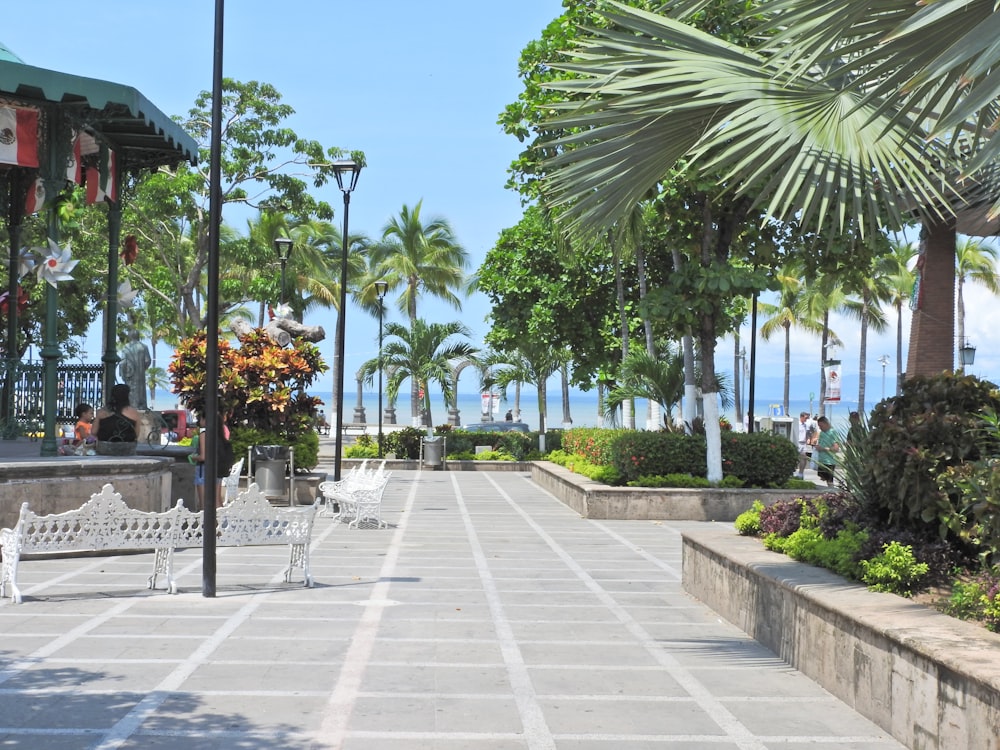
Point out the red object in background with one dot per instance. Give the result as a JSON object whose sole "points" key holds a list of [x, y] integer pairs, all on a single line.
{"points": [[130, 250], [180, 421], [22, 301]]}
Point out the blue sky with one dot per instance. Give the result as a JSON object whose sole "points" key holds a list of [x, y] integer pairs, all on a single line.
{"points": [[417, 87]]}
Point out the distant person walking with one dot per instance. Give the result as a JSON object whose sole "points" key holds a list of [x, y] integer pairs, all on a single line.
{"points": [[826, 446], [808, 435]]}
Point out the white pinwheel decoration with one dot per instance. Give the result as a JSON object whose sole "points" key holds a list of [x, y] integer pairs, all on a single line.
{"points": [[25, 262], [56, 266], [126, 294], [283, 311]]}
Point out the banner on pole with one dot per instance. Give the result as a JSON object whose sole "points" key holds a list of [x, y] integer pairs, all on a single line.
{"points": [[832, 371]]}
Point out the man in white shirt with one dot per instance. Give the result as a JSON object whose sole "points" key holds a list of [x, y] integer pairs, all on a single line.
{"points": [[807, 439]]}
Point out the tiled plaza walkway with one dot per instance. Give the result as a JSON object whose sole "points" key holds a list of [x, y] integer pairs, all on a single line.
{"points": [[488, 616]]}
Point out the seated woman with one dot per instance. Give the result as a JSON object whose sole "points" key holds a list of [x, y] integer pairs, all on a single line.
{"points": [[117, 423]]}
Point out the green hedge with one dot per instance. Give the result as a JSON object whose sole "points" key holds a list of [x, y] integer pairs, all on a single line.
{"points": [[758, 459], [593, 443], [636, 454]]}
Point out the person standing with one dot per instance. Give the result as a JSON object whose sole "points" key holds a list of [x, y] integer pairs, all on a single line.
{"points": [[807, 441], [826, 446]]}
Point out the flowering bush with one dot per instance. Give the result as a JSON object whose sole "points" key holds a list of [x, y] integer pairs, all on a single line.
{"points": [[262, 383], [593, 443]]}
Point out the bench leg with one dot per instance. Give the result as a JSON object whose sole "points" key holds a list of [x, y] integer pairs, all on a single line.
{"points": [[163, 564], [298, 557], [8, 576]]}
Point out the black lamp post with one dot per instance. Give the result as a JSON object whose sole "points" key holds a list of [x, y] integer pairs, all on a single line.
{"points": [[346, 171], [381, 287], [283, 246]]}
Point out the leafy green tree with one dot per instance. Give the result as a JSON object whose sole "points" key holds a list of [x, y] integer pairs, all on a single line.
{"points": [[529, 362], [542, 292], [422, 353], [262, 163], [592, 172]]}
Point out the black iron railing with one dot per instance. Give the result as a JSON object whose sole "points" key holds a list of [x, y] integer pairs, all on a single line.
{"points": [[75, 384]]}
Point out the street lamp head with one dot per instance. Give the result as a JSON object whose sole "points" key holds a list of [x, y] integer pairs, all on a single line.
{"points": [[346, 172], [283, 246], [967, 354], [381, 287]]}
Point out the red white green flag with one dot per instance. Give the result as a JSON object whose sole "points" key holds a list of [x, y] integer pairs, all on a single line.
{"points": [[19, 136], [102, 180], [35, 199]]}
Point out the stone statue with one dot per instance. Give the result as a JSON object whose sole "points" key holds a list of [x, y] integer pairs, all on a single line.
{"points": [[132, 368]]}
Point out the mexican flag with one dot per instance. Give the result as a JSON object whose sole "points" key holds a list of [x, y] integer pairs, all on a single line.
{"points": [[36, 197], [74, 168], [19, 136], [102, 180]]}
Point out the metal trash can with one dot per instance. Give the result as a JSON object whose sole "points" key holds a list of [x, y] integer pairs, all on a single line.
{"points": [[433, 451], [269, 469]]}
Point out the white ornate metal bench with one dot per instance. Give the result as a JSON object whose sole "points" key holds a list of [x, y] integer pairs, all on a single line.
{"points": [[250, 520], [106, 523], [358, 495]]}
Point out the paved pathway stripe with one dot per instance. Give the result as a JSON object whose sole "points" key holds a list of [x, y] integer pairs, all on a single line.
{"points": [[332, 731], [537, 732], [733, 728]]}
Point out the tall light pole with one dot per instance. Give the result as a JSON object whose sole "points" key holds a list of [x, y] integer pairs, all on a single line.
{"points": [[381, 287], [883, 360], [346, 171], [283, 246]]}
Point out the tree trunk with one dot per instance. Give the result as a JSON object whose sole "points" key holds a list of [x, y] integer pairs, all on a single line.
{"points": [[688, 406], [652, 407], [788, 366], [541, 404], [822, 363], [567, 419], [932, 329], [863, 351], [960, 314], [628, 416], [899, 347], [737, 373]]}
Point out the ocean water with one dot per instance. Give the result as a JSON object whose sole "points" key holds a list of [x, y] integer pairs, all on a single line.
{"points": [[583, 409]]}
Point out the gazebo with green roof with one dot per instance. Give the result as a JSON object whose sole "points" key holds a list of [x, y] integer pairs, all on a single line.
{"points": [[59, 110]]}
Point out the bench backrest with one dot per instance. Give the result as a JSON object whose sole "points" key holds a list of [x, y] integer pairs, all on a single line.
{"points": [[251, 519], [103, 522]]}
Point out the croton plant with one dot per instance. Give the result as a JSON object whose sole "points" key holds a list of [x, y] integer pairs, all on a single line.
{"points": [[263, 384]]}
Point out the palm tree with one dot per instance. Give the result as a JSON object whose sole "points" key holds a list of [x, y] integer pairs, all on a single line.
{"points": [[423, 353], [420, 258], [657, 379], [867, 310], [823, 297], [790, 311], [805, 128], [974, 261], [900, 282], [530, 362]]}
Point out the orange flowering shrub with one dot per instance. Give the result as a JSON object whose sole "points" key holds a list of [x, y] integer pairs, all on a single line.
{"points": [[262, 383]]}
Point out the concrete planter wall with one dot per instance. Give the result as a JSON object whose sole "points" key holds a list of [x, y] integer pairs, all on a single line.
{"points": [[930, 680], [56, 485], [594, 500]]}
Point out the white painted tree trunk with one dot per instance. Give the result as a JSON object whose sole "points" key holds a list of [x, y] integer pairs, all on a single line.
{"points": [[713, 437]]}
